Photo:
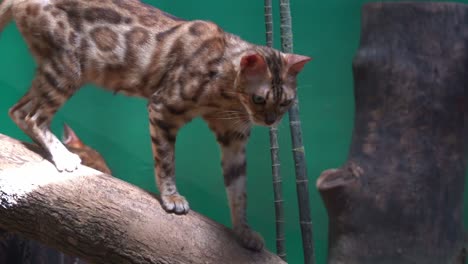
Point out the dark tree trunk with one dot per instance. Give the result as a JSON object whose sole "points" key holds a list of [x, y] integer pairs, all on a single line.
{"points": [[399, 198]]}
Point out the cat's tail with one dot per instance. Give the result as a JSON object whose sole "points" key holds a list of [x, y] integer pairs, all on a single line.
{"points": [[5, 13]]}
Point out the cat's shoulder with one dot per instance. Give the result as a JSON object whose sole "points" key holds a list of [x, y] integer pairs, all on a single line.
{"points": [[202, 27]]}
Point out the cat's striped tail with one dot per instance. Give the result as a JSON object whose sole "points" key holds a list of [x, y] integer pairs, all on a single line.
{"points": [[5, 13]]}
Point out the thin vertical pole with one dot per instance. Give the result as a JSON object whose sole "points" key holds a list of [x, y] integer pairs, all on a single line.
{"points": [[274, 150], [298, 146]]}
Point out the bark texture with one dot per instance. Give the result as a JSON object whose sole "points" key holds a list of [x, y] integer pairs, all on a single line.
{"points": [[102, 219], [399, 198]]}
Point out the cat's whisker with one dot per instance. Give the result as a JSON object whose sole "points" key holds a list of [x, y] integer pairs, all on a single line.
{"points": [[223, 118], [231, 110], [242, 128], [231, 113], [243, 122], [240, 123], [246, 129], [237, 112], [235, 92], [227, 115]]}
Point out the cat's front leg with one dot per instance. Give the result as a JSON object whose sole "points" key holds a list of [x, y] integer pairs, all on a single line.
{"points": [[163, 131], [232, 136], [234, 171]]}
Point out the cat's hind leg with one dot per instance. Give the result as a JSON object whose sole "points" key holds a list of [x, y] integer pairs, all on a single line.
{"points": [[35, 110]]}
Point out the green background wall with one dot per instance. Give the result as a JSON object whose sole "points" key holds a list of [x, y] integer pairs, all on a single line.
{"points": [[117, 126]]}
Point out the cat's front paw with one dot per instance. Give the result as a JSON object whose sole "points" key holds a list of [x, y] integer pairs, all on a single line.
{"points": [[249, 238], [66, 161], [175, 203]]}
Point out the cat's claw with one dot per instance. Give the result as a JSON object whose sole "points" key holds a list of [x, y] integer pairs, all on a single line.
{"points": [[249, 238], [175, 203], [66, 161]]}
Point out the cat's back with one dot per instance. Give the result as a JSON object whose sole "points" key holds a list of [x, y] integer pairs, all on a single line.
{"points": [[122, 45], [86, 13], [72, 24]]}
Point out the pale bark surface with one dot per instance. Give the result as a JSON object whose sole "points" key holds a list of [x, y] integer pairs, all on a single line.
{"points": [[103, 219]]}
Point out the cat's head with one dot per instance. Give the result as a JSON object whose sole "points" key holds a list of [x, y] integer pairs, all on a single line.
{"points": [[266, 83]]}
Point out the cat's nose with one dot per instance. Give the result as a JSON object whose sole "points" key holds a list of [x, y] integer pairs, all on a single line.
{"points": [[270, 118]]}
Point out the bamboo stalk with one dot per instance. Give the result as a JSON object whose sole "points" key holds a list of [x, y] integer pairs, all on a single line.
{"points": [[298, 146], [274, 150], [269, 23]]}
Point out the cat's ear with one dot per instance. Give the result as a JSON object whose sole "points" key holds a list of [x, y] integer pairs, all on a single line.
{"points": [[296, 63], [253, 66], [70, 139]]}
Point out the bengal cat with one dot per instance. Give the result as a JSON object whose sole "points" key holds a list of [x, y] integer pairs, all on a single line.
{"points": [[184, 68]]}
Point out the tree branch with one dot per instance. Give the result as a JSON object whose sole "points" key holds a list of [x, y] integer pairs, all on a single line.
{"points": [[103, 219]]}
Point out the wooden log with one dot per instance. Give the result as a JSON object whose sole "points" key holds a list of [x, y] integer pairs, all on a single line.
{"points": [[102, 219], [399, 198]]}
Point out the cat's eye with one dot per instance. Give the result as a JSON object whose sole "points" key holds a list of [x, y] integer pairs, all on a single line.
{"points": [[286, 103], [257, 99]]}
